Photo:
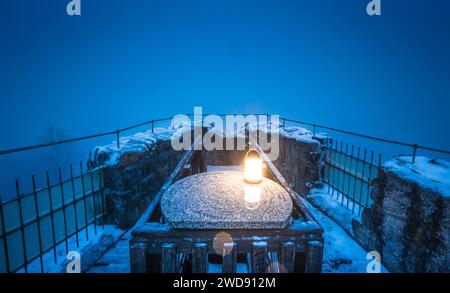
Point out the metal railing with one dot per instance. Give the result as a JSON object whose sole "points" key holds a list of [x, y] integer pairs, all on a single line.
{"points": [[349, 172], [36, 223], [414, 147], [151, 123], [36, 226]]}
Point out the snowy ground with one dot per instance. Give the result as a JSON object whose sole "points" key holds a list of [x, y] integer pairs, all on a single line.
{"points": [[48, 260], [115, 260], [341, 253]]}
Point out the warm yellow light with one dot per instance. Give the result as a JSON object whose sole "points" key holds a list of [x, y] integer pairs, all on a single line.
{"points": [[252, 196], [253, 167]]}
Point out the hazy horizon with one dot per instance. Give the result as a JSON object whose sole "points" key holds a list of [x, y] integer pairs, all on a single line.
{"points": [[121, 63]]}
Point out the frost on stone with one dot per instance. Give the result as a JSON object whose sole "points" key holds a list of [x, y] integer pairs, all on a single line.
{"points": [[132, 147], [432, 174]]}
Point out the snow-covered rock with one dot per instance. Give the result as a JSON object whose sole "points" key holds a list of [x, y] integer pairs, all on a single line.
{"points": [[431, 174], [409, 221], [300, 158], [135, 172]]}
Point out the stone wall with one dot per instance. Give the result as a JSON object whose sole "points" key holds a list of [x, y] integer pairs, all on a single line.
{"points": [[300, 159], [408, 222], [225, 157], [135, 173]]}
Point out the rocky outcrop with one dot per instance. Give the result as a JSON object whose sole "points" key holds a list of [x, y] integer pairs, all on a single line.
{"points": [[300, 160], [134, 173], [408, 222]]}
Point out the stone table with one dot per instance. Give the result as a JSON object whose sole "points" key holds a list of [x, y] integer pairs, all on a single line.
{"points": [[222, 200]]}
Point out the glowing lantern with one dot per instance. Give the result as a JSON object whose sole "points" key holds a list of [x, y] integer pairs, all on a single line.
{"points": [[253, 167], [252, 196]]}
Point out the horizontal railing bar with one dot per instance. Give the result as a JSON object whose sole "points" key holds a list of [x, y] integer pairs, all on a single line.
{"points": [[48, 214], [134, 126], [144, 123], [433, 149], [355, 134], [351, 157], [42, 145], [115, 132], [31, 193], [372, 137], [348, 172]]}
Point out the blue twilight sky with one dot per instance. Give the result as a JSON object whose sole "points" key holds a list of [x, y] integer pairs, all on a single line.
{"points": [[317, 60], [323, 61]]}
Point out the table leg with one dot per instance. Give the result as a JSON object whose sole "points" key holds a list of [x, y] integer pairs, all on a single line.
{"points": [[200, 258], [287, 257], [229, 258], [314, 255], [168, 258], [259, 257], [138, 260]]}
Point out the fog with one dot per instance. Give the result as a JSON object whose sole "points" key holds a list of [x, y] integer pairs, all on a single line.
{"points": [[124, 62]]}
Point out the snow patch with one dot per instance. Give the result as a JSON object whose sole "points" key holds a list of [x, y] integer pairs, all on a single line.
{"points": [[342, 254], [48, 260], [432, 174], [339, 207], [138, 142]]}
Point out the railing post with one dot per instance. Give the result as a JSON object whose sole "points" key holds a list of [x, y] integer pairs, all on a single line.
{"points": [[22, 232], [314, 130], [200, 258], [229, 257], [259, 257], [38, 221], [138, 258], [4, 235], [63, 205], [118, 138], [314, 256], [287, 257], [52, 214], [86, 220], [415, 147], [168, 258], [74, 202], [153, 126]]}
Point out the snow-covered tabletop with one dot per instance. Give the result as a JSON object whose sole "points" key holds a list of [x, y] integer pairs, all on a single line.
{"points": [[222, 200]]}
